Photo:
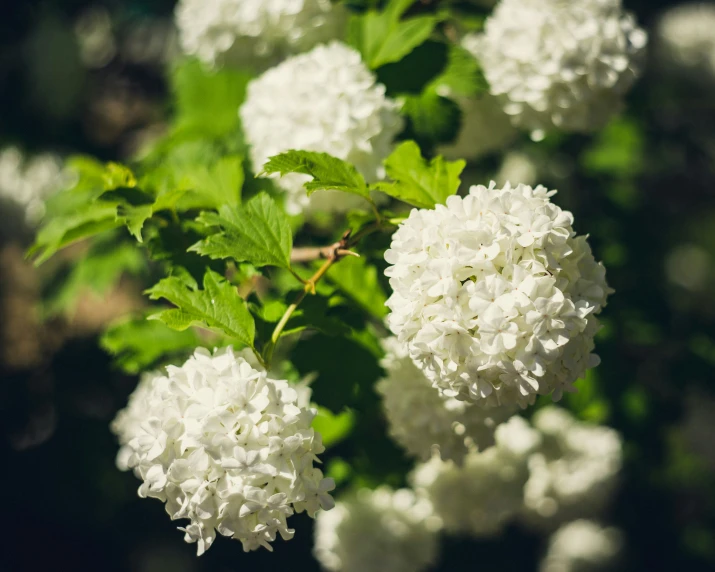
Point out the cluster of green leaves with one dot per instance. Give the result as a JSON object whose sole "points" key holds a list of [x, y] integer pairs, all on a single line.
{"points": [[217, 243]]}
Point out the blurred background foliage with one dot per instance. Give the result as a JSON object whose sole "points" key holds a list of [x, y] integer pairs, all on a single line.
{"points": [[644, 188]]}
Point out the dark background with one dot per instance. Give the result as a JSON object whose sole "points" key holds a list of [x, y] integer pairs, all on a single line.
{"points": [[644, 189]]}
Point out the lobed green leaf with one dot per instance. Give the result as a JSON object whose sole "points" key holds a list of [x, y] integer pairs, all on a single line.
{"points": [[217, 307], [258, 232], [328, 172], [418, 182]]}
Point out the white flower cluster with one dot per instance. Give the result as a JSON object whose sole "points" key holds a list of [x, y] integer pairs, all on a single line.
{"points": [[27, 183], [575, 472], [378, 531], [495, 296], [562, 63], [224, 446], [582, 546], [325, 101], [425, 422], [484, 494], [238, 31], [552, 472], [686, 39]]}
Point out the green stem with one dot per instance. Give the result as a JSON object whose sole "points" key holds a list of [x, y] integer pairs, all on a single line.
{"points": [[338, 252], [309, 288]]}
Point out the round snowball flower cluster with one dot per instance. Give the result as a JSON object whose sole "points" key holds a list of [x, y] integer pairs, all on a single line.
{"points": [[574, 473], [582, 546], [225, 447], [378, 531], [252, 31], [560, 63], [495, 296], [425, 422], [326, 101], [28, 182], [686, 40], [484, 494]]}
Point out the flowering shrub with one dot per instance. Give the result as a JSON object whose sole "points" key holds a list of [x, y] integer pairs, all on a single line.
{"points": [[300, 213]]}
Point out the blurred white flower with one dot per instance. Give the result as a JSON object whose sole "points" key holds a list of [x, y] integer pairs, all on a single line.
{"points": [[495, 296], [326, 101], [378, 531], [93, 30], [484, 494], [559, 63], [517, 166], [28, 182], [224, 446], [685, 39], [582, 546], [689, 266], [425, 422], [485, 128], [246, 31], [574, 473]]}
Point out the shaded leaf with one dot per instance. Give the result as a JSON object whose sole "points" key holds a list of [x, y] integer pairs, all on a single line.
{"points": [[345, 369], [433, 119], [359, 281], [97, 271], [333, 428], [139, 344], [462, 76]]}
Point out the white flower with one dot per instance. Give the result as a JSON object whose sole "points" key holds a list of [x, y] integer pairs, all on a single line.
{"points": [[486, 493], [494, 295], [517, 166], [574, 473], [485, 128], [559, 63], [686, 41], [582, 546], [425, 422], [246, 31], [378, 531], [224, 446], [28, 182], [326, 101]]}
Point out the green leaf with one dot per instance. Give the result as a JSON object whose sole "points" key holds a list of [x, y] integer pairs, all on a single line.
{"points": [[383, 38], [433, 119], [359, 281], [258, 232], [316, 313], [345, 369], [333, 428], [64, 230], [139, 344], [418, 182], [462, 77], [217, 307], [96, 271], [328, 172], [416, 71], [208, 100], [214, 186]]}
